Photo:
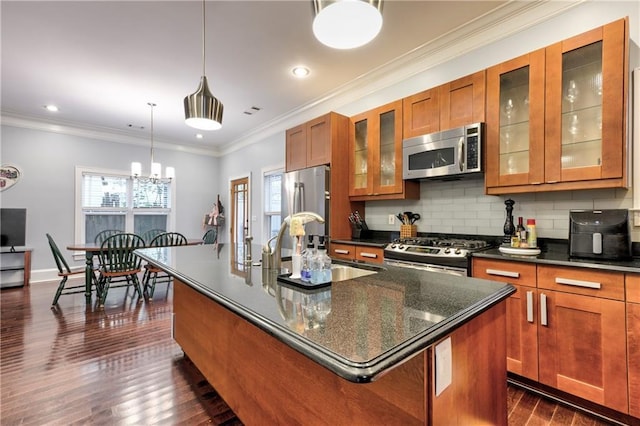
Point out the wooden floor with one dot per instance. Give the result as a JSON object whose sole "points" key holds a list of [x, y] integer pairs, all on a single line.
{"points": [[119, 366]]}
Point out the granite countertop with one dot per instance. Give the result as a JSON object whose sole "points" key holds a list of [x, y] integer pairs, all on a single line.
{"points": [[558, 254], [369, 242], [357, 328]]}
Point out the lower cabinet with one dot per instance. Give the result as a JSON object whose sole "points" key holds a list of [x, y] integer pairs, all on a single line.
{"points": [[632, 285], [565, 328], [354, 252]]}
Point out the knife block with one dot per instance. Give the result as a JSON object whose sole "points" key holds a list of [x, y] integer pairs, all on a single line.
{"points": [[408, 231]]}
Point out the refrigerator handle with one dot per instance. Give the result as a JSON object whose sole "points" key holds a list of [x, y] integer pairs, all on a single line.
{"points": [[298, 198]]}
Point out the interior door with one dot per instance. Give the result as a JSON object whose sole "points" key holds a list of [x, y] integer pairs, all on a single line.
{"points": [[239, 226]]}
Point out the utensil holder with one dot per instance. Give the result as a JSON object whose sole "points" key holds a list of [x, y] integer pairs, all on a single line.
{"points": [[407, 231]]}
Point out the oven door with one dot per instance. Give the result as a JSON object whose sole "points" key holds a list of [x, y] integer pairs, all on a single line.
{"points": [[452, 270]]}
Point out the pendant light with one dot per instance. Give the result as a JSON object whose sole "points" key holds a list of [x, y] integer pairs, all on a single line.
{"points": [[346, 24], [155, 175], [201, 109]]}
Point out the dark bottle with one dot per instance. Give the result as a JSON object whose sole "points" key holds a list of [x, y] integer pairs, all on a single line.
{"points": [[521, 231], [509, 228]]}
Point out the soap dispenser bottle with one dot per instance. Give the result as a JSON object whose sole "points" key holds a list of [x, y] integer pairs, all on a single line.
{"points": [[307, 257], [321, 264]]}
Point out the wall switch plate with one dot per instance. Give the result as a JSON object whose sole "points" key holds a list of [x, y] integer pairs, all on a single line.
{"points": [[392, 219], [636, 218]]}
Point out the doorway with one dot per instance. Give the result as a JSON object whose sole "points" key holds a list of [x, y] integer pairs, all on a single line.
{"points": [[239, 226]]}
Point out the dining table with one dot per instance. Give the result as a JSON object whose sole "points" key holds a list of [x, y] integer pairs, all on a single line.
{"points": [[93, 249]]}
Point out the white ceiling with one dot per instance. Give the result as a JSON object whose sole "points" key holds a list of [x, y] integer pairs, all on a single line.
{"points": [[101, 62]]}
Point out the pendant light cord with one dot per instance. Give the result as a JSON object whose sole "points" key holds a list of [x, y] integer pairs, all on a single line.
{"points": [[203, 39]]}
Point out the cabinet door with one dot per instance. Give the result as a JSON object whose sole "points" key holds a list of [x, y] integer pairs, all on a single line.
{"points": [[515, 122], [582, 347], [296, 148], [585, 106], [387, 153], [462, 101], [522, 334], [360, 155], [633, 342], [421, 113], [318, 141]]}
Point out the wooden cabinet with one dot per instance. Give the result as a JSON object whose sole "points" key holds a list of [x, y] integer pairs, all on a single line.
{"points": [[632, 284], [565, 328], [375, 156], [522, 316], [354, 252], [309, 144], [582, 346], [324, 140], [454, 104], [556, 117]]}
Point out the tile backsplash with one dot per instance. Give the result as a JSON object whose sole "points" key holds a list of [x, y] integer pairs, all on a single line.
{"points": [[462, 207]]}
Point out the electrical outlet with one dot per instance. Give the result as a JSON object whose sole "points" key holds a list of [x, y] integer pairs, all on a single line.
{"points": [[392, 219]]}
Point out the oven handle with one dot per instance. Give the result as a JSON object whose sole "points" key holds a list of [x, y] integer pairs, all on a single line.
{"points": [[427, 267]]}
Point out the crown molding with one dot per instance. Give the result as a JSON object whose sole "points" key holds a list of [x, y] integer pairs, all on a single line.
{"points": [[97, 133]]}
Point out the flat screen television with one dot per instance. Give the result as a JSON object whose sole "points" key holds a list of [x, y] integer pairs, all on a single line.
{"points": [[13, 227]]}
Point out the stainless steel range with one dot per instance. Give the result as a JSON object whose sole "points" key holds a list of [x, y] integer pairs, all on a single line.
{"points": [[439, 254]]}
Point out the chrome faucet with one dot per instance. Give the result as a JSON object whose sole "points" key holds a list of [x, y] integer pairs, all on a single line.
{"points": [[272, 259]]}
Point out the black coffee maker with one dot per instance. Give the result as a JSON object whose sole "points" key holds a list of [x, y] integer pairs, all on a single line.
{"points": [[600, 234]]}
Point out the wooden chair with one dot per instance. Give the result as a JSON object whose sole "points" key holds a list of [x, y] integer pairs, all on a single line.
{"points": [[151, 234], [102, 235], [65, 272], [151, 278], [119, 262]]}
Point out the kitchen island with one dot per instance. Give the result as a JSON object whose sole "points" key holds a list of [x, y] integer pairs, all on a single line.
{"points": [[399, 346]]}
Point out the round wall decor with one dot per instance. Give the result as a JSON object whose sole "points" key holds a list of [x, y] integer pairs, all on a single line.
{"points": [[9, 176]]}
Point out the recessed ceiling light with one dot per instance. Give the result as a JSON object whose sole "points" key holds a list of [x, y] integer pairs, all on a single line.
{"points": [[199, 136], [300, 71], [51, 108]]}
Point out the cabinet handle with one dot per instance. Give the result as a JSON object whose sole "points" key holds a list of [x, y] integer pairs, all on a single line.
{"points": [[578, 283], [530, 306], [371, 255], [543, 309], [500, 273], [341, 251]]}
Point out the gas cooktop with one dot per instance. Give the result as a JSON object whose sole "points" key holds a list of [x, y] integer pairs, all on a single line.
{"points": [[435, 247]]}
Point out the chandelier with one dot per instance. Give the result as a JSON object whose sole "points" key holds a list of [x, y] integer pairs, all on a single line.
{"points": [[155, 175]]}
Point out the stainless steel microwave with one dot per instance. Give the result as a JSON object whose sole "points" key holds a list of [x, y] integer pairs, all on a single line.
{"points": [[450, 153]]}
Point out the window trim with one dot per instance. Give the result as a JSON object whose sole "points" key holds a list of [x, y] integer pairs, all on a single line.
{"points": [[266, 171], [79, 236]]}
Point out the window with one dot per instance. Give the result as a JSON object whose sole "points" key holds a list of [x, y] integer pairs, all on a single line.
{"points": [[272, 203], [111, 200]]}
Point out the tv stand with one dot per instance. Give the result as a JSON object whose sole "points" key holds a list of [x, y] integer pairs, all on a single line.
{"points": [[15, 266]]}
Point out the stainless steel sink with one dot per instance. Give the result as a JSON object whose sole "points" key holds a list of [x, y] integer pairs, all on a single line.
{"points": [[346, 272]]}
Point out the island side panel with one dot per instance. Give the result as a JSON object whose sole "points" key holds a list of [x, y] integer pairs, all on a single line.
{"points": [[478, 391], [264, 381]]}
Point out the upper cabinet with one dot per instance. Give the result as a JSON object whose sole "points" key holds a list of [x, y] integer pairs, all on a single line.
{"points": [[375, 156], [454, 104], [309, 144], [556, 117]]}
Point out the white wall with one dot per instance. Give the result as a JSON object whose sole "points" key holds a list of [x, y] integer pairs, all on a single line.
{"points": [[48, 161]]}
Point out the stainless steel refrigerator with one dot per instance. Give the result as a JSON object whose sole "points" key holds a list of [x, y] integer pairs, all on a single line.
{"points": [[307, 190]]}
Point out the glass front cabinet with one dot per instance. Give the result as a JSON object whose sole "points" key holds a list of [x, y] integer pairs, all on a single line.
{"points": [[375, 162], [556, 117]]}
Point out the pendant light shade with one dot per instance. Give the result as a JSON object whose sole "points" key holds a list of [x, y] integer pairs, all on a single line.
{"points": [[346, 24], [202, 110]]}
